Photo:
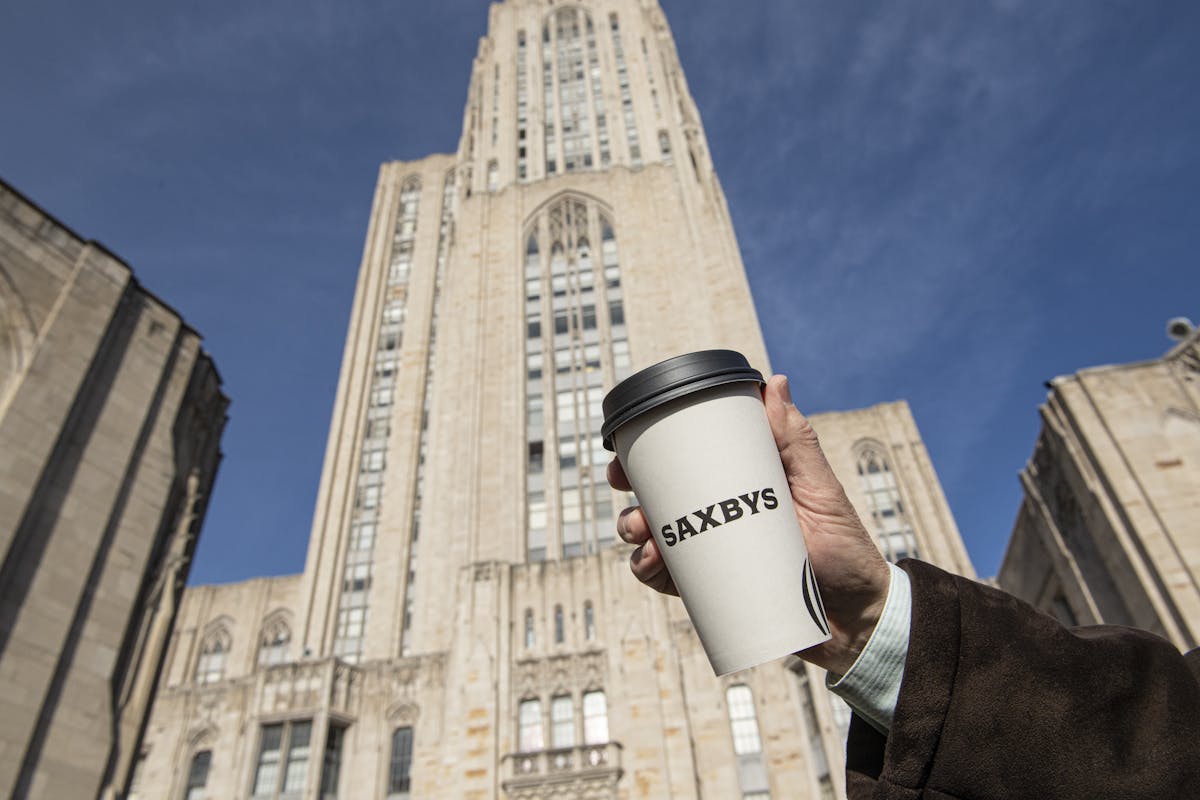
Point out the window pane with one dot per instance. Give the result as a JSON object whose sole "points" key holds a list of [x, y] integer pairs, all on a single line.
{"points": [[267, 776], [297, 761], [197, 775], [742, 720], [332, 763]]}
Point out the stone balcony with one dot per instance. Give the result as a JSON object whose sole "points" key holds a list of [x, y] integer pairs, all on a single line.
{"points": [[589, 772]]}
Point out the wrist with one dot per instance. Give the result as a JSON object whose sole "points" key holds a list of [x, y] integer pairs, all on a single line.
{"points": [[850, 629]]}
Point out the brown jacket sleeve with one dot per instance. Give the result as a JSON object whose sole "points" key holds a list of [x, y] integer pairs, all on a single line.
{"points": [[1001, 701]]}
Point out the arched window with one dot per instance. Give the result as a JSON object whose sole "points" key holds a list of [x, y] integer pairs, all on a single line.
{"points": [[210, 667], [400, 767], [198, 776], [742, 720], [559, 632], [889, 518], [595, 717], [529, 638], [273, 646], [530, 737], [589, 621], [569, 362]]}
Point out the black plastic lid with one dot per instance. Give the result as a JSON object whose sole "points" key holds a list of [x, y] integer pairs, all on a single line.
{"points": [[669, 380]]}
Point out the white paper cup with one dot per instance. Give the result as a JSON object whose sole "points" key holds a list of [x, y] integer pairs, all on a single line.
{"points": [[693, 437]]}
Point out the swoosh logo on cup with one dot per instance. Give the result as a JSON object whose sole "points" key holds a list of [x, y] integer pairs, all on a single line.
{"points": [[813, 600]]}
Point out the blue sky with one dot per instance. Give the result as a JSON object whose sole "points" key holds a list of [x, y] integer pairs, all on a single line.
{"points": [[940, 201]]}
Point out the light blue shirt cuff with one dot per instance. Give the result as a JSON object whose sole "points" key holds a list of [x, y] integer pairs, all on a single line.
{"points": [[872, 684]]}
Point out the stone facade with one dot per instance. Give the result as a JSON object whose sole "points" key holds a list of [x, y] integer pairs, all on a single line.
{"points": [[465, 625], [1109, 528], [110, 422]]}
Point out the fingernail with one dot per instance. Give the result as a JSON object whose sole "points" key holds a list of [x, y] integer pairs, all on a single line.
{"points": [[786, 389], [636, 555]]}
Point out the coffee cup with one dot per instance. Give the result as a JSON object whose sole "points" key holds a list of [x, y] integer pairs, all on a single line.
{"points": [[692, 435]]}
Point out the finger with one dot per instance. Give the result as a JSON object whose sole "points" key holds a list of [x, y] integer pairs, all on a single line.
{"points": [[649, 568], [632, 525], [794, 436], [617, 478]]}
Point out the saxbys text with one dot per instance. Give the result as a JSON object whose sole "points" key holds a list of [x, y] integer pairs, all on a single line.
{"points": [[719, 514]]}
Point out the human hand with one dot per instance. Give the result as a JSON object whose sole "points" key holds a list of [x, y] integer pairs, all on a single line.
{"points": [[853, 577]]}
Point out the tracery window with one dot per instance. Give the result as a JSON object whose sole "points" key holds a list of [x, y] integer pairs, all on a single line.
{"points": [[889, 518], [214, 650], [273, 646], [569, 361]]}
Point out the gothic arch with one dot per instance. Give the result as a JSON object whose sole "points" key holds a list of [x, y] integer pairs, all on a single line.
{"points": [[17, 332], [531, 219]]}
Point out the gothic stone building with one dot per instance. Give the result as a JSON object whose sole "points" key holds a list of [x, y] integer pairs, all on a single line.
{"points": [[110, 424], [1109, 529], [465, 625]]}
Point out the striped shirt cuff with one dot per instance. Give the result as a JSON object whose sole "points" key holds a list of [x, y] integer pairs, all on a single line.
{"points": [[872, 684]]}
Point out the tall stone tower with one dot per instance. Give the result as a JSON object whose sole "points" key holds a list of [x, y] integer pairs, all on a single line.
{"points": [[466, 624]]}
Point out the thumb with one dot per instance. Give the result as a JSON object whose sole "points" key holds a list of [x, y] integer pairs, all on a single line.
{"points": [[799, 449]]}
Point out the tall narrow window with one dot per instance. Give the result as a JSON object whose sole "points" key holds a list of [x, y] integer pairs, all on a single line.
{"points": [[742, 720], [889, 518], [493, 175], [283, 758], [566, 88], [631, 134], [664, 146], [296, 773], [562, 722], [522, 109], [529, 734], [559, 632], [569, 363], [589, 621], [445, 226], [353, 599], [210, 667], [198, 776], [529, 640], [816, 743], [331, 764], [595, 718], [400, 768]]}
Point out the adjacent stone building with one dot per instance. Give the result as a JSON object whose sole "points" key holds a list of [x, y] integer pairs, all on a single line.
{"points": [[110, 422], [1109, 529], [466, 625]]}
